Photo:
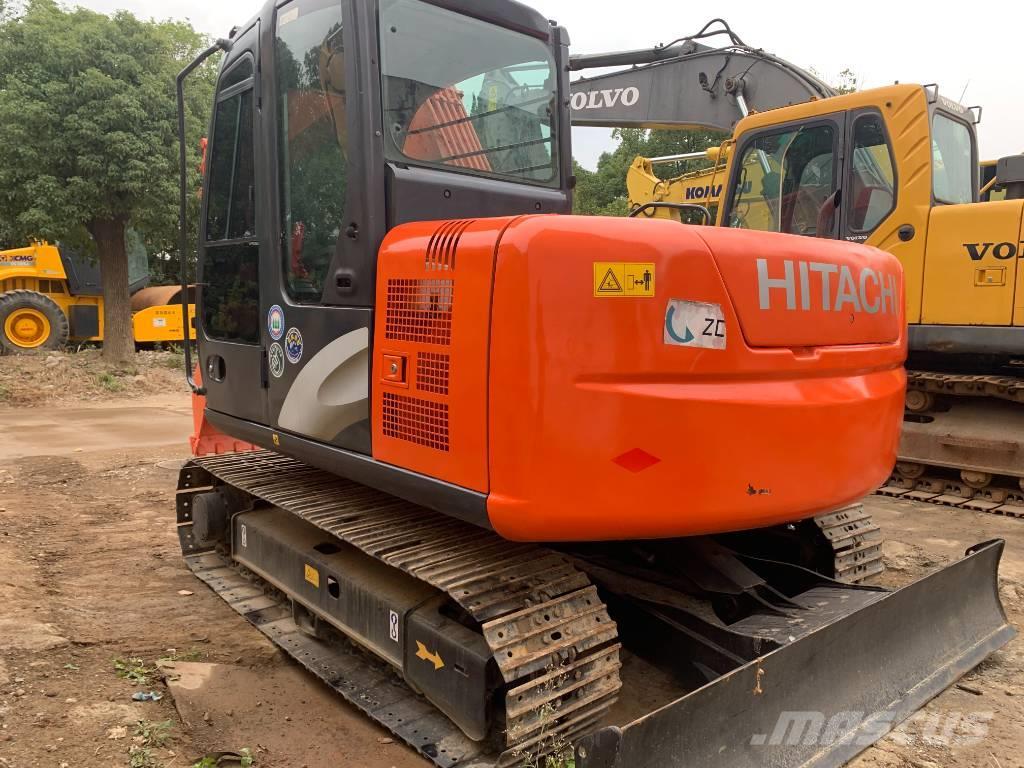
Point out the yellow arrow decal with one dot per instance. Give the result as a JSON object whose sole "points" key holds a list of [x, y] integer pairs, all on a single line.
{"points": [[433, 658]]}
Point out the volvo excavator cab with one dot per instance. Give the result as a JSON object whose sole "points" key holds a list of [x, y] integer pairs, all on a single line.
{"points": [[902, 165], [512, 466]]}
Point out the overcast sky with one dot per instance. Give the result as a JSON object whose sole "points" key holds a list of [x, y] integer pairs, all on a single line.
{"points": [[880, 40]]}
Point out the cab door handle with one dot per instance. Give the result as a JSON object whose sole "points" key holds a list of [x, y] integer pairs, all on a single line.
{"points": [[216, 369]]}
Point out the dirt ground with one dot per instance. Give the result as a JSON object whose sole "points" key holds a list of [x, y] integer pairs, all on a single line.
{"points": [[90, 577], [84, 377]]}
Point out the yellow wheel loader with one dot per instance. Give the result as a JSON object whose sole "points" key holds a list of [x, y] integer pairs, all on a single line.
{"points": [[893, 167], [50, 296]]}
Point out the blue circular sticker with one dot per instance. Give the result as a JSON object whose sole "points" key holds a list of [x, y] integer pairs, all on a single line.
{"points": [[275, 322], [293, 345]]}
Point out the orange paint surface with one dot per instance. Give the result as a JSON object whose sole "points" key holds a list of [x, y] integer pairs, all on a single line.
{"points": [[432, 325], [582, 389], [500, 365]]}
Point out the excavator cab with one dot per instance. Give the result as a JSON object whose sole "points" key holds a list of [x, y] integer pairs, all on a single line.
{"points": [[839, 164], [504, 451], [908, 183], [296, 223]]}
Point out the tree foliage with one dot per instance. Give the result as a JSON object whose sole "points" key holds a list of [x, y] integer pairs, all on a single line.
{"points": [[603, 192], [88, 135]]}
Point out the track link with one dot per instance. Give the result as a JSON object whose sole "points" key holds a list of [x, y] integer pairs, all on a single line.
{"points": [[967, 385], [552, 639], [918, 479], [995, 500], [856, 543]]}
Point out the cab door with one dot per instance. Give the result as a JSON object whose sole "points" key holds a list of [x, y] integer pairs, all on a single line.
{"points": [[869, 192], [318, 281], [230, 343], [786, 178], [971, 262]]}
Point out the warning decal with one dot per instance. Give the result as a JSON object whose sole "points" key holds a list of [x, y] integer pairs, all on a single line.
{"points": [[612, 278], [312, 575]]}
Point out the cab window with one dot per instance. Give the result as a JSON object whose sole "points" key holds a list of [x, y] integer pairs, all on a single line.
{"points": [[952, 161], [230, 259], [872, 175], [312, 138], [785, 180], [230, 213], [487, 105]]}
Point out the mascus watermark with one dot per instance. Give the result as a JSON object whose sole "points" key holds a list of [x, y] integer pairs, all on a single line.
{"points": [[949, 729]]}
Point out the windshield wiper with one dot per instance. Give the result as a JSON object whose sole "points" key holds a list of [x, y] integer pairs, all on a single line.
{"points": [[477, 153], [471, 118]]}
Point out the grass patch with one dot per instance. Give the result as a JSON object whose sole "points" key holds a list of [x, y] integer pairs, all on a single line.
{"points": [[134, 670], [109, 382], [153, 734], [243, 758], [174, 359], [141, 757], [191, 655]]}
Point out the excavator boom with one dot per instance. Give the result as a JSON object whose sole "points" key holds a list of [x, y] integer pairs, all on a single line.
{"points": [[688, 84]]}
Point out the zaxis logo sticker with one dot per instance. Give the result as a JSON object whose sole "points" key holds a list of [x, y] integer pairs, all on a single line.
{"points": [[694, 324], [275, 322], [1001, 251]]}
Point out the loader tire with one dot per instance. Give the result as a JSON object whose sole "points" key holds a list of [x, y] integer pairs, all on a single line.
{"points": [[30, 321]]}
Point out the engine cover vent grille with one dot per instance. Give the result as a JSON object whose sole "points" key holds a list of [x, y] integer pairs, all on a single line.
{"points": [[419, 311], [416, 420], [432, 372], [444, 243]]}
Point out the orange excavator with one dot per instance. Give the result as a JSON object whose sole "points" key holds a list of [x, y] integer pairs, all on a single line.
{"points": [[530, 484]]}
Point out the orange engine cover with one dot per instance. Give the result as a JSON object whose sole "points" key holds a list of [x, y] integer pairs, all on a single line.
{"points": [[621, 378], [430, 355]]}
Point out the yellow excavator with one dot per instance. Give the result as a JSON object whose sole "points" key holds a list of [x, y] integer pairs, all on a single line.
{"points": [[704, 186], [893, 167], [701, 187], [50, 295]]}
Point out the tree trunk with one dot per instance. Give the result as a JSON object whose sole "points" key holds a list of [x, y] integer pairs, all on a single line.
{"points": [[118, 337]]}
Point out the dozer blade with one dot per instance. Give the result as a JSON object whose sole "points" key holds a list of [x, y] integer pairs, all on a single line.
{"points": [[823, 698]]}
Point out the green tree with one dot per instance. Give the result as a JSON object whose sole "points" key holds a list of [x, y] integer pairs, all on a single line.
{"points": [[9, 9], [88, 136], [847, 82], [844, 82]]}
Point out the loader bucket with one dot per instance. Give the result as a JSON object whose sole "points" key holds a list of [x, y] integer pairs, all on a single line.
{"points": [[825, 697]]}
